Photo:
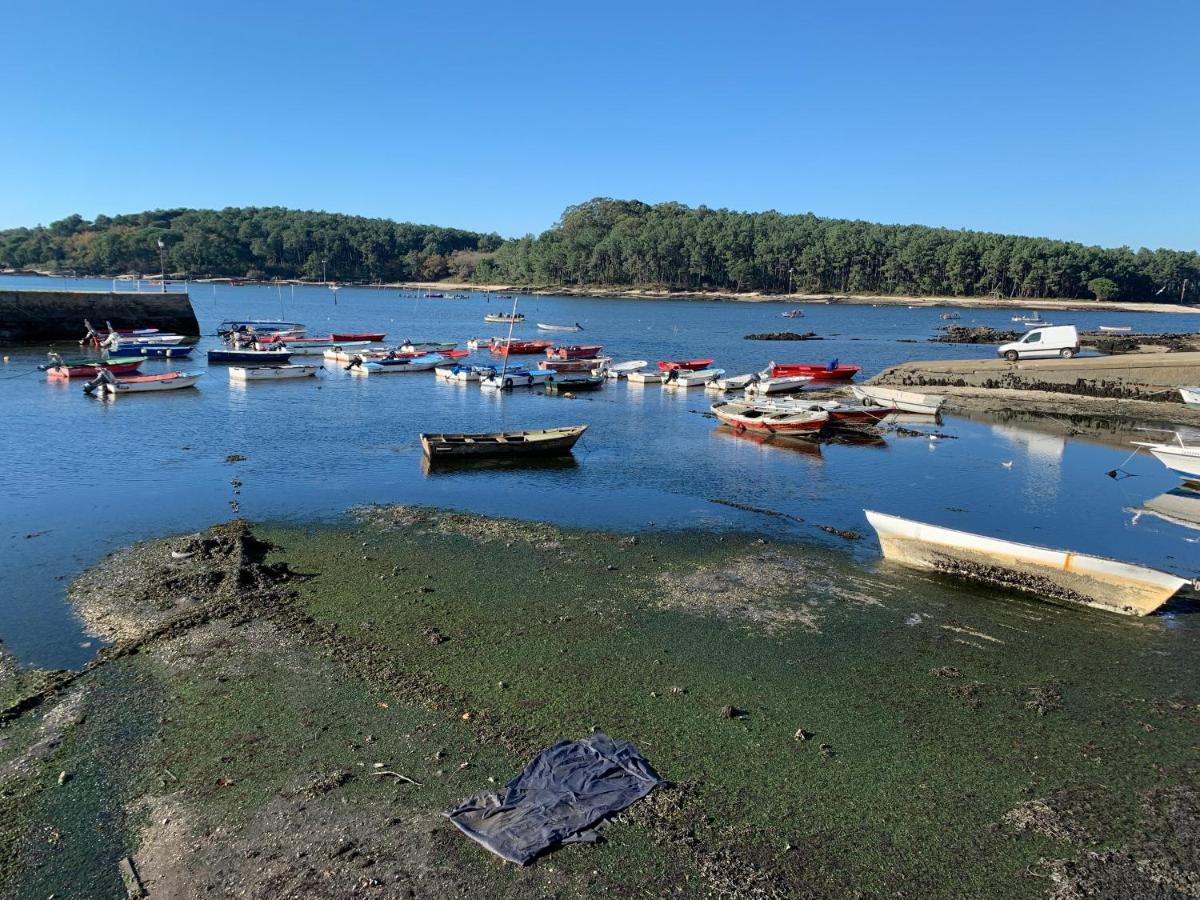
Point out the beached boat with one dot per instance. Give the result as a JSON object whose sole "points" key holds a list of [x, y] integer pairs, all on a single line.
{"points": [[574, 365], [574, 351], [755, 417], [572, 383], [1057, 574], [271, 373], [784, 384], [1115, 329], [509, 347], [617, 371], [680, 379], [59, 369], [645, 376], [546, 326], [504, 318], [1191, 396], [1178, 457], [540, 442], [459, 373], [251, 357], [396, 365], [369, 336], [107, 383], [693, 365], [831, 371], [906, 401], [507, 379]]}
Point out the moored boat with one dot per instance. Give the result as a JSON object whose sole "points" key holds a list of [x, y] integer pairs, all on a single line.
{"points": [[645, 376], [734, 382], [831, 371], [427, 346], [574, 365], [253, 357], [616, 371], [271, 373], [757, 417], [906, 401], [571, 383], [504, 318], [259, 326], [678, 379], [60, 369], [507, 379], [784, 384], [395, 364], [1056, 574], [107, 383], [539, 442], [459, 373], [693, 365], [152, 351], [509, 347], [574, 351], [546, 326], [794, 314], [1178, 457], [368, 336]]}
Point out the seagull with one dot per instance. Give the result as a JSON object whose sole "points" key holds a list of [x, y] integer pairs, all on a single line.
{"points": [[1007, 465], [934, 437]]}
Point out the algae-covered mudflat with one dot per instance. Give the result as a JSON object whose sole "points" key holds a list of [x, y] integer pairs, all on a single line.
{"points": [[286, 711]]}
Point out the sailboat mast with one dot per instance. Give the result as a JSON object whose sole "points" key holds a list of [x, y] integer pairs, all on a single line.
{"points": [[512, 320]]}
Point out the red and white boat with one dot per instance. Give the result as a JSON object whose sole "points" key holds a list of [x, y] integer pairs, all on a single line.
{"points": [[694, 365], [139, 384], [575, 351], [364, 336], [509, 347], [61, 370], [829, 372], [767, 419]]}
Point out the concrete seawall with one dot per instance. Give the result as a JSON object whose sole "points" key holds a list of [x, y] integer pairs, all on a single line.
{"points": [[58, 315]]}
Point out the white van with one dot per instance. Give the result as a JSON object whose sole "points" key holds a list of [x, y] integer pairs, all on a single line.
{"points": [[1040, 343]]}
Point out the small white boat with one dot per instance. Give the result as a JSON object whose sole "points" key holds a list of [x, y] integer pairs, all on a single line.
{"points": [[110, 384], [735, 382], [1036, 318], [1178, 457], [1057, 574], [345, 353], [617, 371], [504, 318], [402, 365], [905, 401], [516, 378], [271, 373], [481, 343], [1116, 329], [322, 349], [785, 384], [463, 374], [1191, 396], [679, 379], [546, 326], [646, 376]]}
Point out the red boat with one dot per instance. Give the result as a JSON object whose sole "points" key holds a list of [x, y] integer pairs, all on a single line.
{"points": [[855, 413], [506, 348], [365, 336], [692, 365], [453, 354], [575, 351], [830, 372], [60, 370]]}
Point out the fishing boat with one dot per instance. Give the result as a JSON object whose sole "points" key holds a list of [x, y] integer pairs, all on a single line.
{"points": [[110, 384], [546, 326], [507, 379], [1191, 396], [694, 365], [1056, 574], [574, 351], [1178, 457], [783, 384], [645, 376], [541, 442], [572, 383], [574, 365], [271, 373], [1116, 329], [369, 336], [396, 365], [906, 401], [461, 374], [504, 318], [509, 347], [794, 314], [755, 417], [831, 371], [617, 371], [253, 357], [59, 369], [680, 379], [152, 351]]}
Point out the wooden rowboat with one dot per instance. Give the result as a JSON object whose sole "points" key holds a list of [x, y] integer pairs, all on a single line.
{"points": [[370, 336], [107, 383], [1055, 574], [573, 383], [541, 442], [271, 373], [60, 369], [694, 365], [906, 401], [769, 420]]}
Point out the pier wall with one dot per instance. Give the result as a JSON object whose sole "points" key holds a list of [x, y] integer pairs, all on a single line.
{"points": [[27, 316]]}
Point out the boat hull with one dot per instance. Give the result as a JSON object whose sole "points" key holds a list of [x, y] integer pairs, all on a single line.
{"points": [[91, 370], [150, 384], [1185, 460], [367, 336], [905, 401], [249, 357], [746, 417], [543, 442], [271, 373], [504, 381], [1056, 574], [1191, 396]]}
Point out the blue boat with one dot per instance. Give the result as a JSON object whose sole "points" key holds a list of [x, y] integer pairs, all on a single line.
{"points": [[158, 351], [259, 326], [254, 357]]}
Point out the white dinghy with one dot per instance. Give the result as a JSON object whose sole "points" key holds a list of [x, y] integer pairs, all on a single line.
{"points": [[271, 373], [679, 379], [905, 401]]}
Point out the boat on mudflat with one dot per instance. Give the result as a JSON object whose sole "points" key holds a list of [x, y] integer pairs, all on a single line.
{"points": [[1178, 457], [539, 442], [1063, 575], [271, 373], [831, 371], [905, 401], [574, 351], [694, 365], [110, 384], [253, 357], [757, 417], [60, 369]]}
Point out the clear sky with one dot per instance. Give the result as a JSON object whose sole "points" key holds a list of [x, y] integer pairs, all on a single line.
{"points": [[1060, 118]]}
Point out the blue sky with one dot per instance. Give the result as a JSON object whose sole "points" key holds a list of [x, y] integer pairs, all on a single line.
{"points": [[1065, 119]]}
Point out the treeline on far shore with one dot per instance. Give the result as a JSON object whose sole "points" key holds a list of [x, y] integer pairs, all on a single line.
{"points": [[613, 244]]}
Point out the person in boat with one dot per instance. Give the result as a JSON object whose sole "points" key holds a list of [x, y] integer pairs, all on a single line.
{"points": [[672, 375], [833, 364]]}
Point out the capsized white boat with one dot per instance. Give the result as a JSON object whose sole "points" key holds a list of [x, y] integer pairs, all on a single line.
{"points": [[1056, 574], [1191, 396], [516, 378], [1179, 457], [905, 401], [678, 379], [646, 376], [621, 370], [271, 373], [784, 384]]}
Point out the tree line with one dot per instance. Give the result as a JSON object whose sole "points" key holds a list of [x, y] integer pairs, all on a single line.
{"points": [[254, 243], [608, 243], [669, 245]]}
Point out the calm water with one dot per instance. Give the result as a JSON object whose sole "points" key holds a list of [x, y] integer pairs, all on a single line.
{"points": [[83, 476]]}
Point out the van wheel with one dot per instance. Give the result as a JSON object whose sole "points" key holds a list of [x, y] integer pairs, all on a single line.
{"points": [[1066, 353], [1011, 355]]}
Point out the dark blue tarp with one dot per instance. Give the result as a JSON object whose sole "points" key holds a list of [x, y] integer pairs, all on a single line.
{"points": [[558, 797]]}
